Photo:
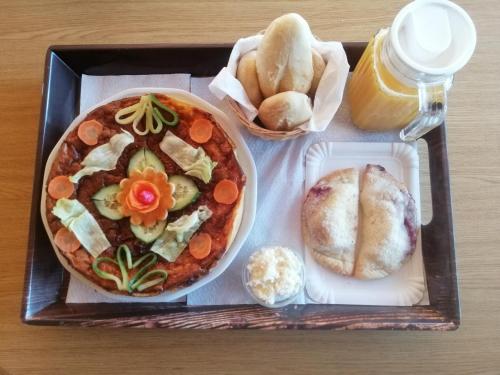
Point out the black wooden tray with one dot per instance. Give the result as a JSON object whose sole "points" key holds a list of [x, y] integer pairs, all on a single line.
{"points": [[46, 281]]}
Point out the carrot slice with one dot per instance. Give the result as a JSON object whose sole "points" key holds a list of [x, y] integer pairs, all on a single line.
{"points": [[200, 245], [201, 130], [66, 240], [89, 132], [226, 192], [60, 187]]}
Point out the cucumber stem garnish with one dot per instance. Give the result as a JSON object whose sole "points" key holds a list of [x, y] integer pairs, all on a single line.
{"points": [[150, 106], [141, 279], [175, 116]]}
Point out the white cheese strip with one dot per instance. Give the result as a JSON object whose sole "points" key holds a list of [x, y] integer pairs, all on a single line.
{"points": [[194, 161], [178, 233], [84, 226], [104, 157]]}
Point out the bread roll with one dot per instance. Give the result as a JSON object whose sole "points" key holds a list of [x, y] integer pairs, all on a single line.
{"points": [[247, 75], [285, 111], [284, 57], [318, 67]]}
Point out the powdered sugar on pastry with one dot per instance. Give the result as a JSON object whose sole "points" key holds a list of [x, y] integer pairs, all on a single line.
{"points": [[371, 246], [330, 218], [388, 237]]}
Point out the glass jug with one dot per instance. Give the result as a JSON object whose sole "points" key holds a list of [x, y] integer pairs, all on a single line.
{"points": [[402, 78]]}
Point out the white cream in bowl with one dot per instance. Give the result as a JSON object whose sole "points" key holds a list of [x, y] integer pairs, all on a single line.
{"points": [[274, 276]]}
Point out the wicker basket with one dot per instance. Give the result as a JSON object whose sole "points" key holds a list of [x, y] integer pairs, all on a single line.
{"points": [[260, 131]]}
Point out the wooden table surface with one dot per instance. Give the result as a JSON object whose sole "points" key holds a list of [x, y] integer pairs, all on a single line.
{"points": [[29, 27]]}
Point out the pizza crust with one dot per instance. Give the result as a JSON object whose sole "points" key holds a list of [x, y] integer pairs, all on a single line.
{"points": [[236, 219]]}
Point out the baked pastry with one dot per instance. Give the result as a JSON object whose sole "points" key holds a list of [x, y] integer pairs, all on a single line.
{"points": [[284, 57], [285, 111], [388, 222], [318, 68], [247, 75], [369, 245], [330, 220]]}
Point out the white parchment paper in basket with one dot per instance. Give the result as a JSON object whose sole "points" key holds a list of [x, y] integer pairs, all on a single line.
{"points": [[328, 95]]}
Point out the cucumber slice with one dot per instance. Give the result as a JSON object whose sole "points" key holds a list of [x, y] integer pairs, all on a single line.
{"points": [[106, 204], [148, 235], [144, 158], [185, 193]]}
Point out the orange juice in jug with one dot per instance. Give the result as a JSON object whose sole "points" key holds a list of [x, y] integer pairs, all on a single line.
{"points": [[378, 100], [402, 78]]}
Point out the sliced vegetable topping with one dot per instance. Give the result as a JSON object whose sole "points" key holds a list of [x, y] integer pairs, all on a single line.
{"points": [[146, 197], [142, 279], [185, 193], [106, 275], [175, 117], [89, 132], [200, 245], [135, 113], [66, 241], [201, 130], [146, 281], [60, 187], [106, 203], [226, 192], [152, 107], [194, 161], [143, 159], [104, 157], [148, 235], [178, 233], [84, 226]]}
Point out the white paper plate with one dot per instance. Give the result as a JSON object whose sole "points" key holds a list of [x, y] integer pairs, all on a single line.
{"points": [[249, 202], [405, 287]]}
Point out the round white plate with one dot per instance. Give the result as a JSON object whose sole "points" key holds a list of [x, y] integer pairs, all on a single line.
{"points": [[249, 200]]}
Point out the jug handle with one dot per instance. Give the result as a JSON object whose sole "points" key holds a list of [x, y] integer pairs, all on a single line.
{"points": [[432, 108]]}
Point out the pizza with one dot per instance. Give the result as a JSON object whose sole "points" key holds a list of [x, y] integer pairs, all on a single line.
{"points": [[143, 196], [361, 227]]}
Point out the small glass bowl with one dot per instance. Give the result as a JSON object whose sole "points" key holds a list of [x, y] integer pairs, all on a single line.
{"points": [[278, 303]]}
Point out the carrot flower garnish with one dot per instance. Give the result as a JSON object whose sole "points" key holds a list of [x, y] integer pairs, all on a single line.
{"points": [[146, 197]]}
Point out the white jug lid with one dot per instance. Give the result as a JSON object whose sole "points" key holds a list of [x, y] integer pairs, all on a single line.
{"points": [[433, 36]]}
